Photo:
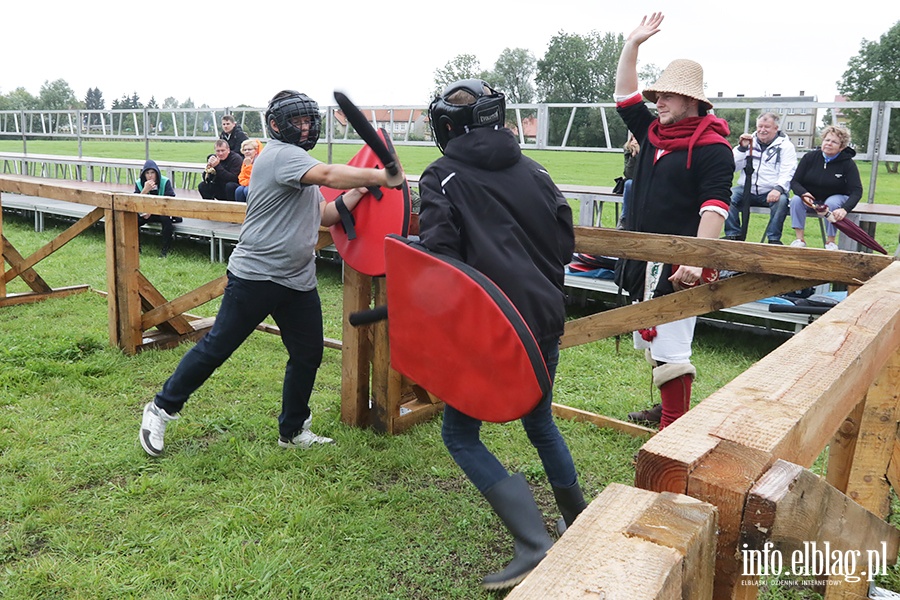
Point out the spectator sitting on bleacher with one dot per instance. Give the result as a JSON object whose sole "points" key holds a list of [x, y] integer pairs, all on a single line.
{"points": [[250, 148], [222, 168], [774, 162], [152, 183], [828, 176], [232, 133]]}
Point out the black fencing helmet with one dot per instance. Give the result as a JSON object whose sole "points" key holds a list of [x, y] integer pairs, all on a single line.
{"points": [[488, 110], [285, 106]]}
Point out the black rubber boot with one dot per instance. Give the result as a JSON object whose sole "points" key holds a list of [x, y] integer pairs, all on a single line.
{"points": [[571, 502], [513, 502]]}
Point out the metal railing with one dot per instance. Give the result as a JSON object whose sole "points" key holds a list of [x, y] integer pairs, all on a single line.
{"points": [[572, 127]]}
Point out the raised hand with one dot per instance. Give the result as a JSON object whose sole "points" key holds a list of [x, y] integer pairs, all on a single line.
{"points": [[648, 28]]}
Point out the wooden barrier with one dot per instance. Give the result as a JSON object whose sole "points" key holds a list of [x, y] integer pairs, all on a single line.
{"points": [[135, 306]]}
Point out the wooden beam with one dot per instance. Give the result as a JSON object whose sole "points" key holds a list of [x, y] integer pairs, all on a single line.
{"points": [[31, 297], [55, 244], [169, 310], [273, 329], [867, 484], [790, 505], [112, 298], [724, 479], [799, 514], [842, 448], [2, 257], [28, 275], [56, 189], [355, 351], [672, 307], [567, 412], [151, 299], [630, 543], [213, 210], [386, 382], [746, 257], [822, 373], [893, 470], [126, 268]]}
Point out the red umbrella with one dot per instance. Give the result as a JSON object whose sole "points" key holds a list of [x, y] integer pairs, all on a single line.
{"points": [[850, 229]]}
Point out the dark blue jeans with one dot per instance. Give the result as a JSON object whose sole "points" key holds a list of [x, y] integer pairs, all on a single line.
{"points": [[462, 437], [778, 212], [244, 306]]}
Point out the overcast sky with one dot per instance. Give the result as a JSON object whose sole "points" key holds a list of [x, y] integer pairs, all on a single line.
{"points": [[387, 52]]}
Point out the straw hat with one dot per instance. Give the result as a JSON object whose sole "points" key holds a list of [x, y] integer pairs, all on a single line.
{"points": [[683, 77]]}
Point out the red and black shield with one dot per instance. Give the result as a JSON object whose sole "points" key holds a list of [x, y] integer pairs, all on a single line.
{"points": [[379, 213], [455, 333]]}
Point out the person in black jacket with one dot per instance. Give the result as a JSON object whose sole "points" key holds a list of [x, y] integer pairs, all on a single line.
{"points": [[232, 133], [487, 205], [222, 168], [151, 182], [826, 176]]}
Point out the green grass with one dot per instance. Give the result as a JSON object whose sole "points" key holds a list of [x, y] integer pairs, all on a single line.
{"points": [[84, 513]]}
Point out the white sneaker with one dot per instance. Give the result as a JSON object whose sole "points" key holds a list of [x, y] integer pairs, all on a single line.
{"points": [[153, 428], [831, 246], [305, 438], [798, 244]]}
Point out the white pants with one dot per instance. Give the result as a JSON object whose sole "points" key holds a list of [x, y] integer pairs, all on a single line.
{"points": [[672, 343]]}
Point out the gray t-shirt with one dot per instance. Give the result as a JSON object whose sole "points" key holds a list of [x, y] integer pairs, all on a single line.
{"points": [[279, 234]]}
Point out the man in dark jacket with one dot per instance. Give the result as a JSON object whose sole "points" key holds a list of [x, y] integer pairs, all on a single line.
{"points": [[151, 182], [222, 168], [487, 205], [682, 186], [232, 133]]}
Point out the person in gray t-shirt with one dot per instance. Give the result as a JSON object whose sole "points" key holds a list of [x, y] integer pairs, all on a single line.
{"points": [[272, 271]]}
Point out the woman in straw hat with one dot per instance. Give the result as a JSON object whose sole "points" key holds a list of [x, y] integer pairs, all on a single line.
{"points": [[682, 186]]}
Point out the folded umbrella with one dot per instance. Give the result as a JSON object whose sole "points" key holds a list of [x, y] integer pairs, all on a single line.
{"points": [[745, 199], [848, 227]]}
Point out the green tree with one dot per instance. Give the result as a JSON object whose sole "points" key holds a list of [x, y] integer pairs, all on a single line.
{"points": [[581, 69], [513, 74], [872, 75], [57, 95], [463, 66], [18, 99]]}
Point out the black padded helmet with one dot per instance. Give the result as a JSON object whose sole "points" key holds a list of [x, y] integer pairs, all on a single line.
{"points": [[285, 106], [488, 110]]}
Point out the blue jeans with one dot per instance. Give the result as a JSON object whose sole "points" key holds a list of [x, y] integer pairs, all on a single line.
{"points": [[462, 437], [779, 211], [799, 212], [244, 306]]}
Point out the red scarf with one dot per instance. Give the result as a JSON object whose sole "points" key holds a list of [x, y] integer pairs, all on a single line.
{"points": [[689, 133]]}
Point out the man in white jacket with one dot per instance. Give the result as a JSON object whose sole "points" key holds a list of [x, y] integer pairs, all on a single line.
{"points": [[774, 162]]}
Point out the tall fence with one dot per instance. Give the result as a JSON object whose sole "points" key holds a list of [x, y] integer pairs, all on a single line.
{"points": [[556, 126]]}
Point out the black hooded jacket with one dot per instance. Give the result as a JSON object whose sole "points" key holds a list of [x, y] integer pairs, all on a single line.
{"points": [[821, 179], [486, 204], [235, 138]]}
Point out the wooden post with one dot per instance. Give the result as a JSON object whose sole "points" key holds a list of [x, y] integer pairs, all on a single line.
{"points": [[355, 351], [630, 544], [386, 382], [126, 257], [842, 448], [2, 254]]}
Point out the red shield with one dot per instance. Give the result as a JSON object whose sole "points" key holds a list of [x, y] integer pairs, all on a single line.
{"points": [[455, 333], [379, 213]]}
